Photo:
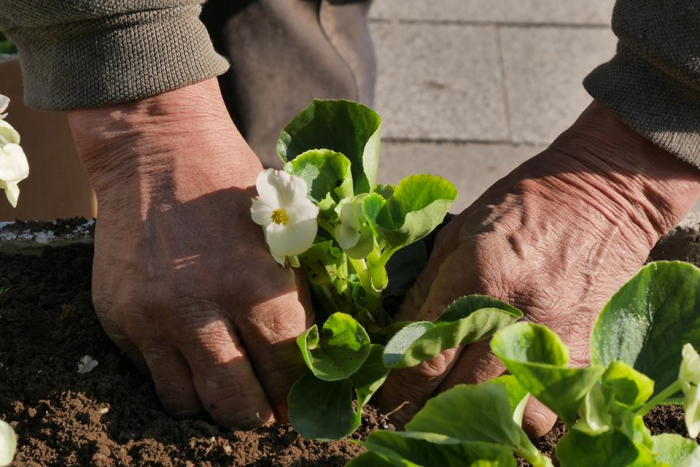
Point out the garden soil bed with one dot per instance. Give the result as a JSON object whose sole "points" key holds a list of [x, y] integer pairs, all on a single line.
{"points": [[111, 415]]}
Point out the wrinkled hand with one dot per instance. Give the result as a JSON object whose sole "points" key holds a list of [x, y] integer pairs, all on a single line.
{"points": [[556, 238], [183, 281]]}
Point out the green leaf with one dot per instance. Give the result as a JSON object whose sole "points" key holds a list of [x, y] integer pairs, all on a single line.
{"points": [[647, 322], [468, 319], [517, 396], [632, 425], [538, 359], [610, 449], [372, 459], [594, 415], [341, 126], [370, 377], [418, 205], [676, 451], [322, 409], [327, 265], [372, 205], [385, 190], [625, 388], [466, 305], [338, 351], [431, 449], [484, 415], [325, 173]]}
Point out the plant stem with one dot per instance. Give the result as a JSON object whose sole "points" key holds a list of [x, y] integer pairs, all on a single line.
{"points": [[384, 258], [660, 398], [325, 225], [374, 297]]}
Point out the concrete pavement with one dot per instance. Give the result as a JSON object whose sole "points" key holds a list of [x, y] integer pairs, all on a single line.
{"points": [[469, 89]]}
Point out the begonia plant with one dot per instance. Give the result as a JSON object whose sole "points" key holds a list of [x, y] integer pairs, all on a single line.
{"points": [[357, 241], [642, 355]]}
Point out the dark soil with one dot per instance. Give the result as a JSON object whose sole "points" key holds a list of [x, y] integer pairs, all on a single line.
{"points": [[111, 415]]}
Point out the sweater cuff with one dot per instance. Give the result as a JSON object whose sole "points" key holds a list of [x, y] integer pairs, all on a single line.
{"points": [[116, 59], [661, 108]]}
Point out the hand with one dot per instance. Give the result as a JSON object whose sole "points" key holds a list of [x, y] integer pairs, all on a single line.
{"points": [[556, 238], [183, 281]]}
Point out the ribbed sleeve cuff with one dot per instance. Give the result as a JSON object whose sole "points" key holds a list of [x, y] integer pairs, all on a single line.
{"points": [[116, 59], [661, 108]]}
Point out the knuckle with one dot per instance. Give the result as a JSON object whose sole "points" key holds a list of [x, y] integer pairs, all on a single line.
{"points": [[434, 368]]}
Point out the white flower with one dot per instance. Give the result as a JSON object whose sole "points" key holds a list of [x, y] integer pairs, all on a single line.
{"points": [[689, 377], [353, 234], [288, 217], [4, 102], [8, 444], [13, 163]]}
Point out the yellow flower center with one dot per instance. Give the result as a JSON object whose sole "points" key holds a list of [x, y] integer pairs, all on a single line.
{"points": [[279, 216]]}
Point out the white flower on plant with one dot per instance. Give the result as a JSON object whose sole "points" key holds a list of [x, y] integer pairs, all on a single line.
{"points": [[4, 102], [353, 234], [689, 378], [13, 163], [8, 444], [287, 216]]}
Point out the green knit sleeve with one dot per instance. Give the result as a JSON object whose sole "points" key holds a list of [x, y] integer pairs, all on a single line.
{"points": [[653, 83], [87, 53]]}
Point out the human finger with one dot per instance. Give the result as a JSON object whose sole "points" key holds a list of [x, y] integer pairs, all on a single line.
{"points": [[223, 376]]}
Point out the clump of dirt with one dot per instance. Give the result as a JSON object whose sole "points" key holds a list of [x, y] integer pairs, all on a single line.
{"points": [[111, 415]]}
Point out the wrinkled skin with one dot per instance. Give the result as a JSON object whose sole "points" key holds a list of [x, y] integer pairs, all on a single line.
{"points": [[556, 238], [183, 281], [185, 285]]}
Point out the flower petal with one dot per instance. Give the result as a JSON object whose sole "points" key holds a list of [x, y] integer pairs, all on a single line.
{"points": [[291, 190], [13, 163], [691, 406], [690, 367], [292, 239], [8, 133], [11, 192], [8, 443], [349, 216], [300, 189], [282, 260], [268, 185], [4, 102], [261, 212], [347, 236], [364, 245], [302, 209]]}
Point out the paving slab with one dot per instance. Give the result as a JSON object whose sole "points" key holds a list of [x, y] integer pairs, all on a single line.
{"points": [[471, 167], [440, 82], [598, 12], [544, 71]]}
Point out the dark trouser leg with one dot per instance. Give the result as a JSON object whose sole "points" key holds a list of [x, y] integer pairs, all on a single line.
{"points": [[285, 53]]}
